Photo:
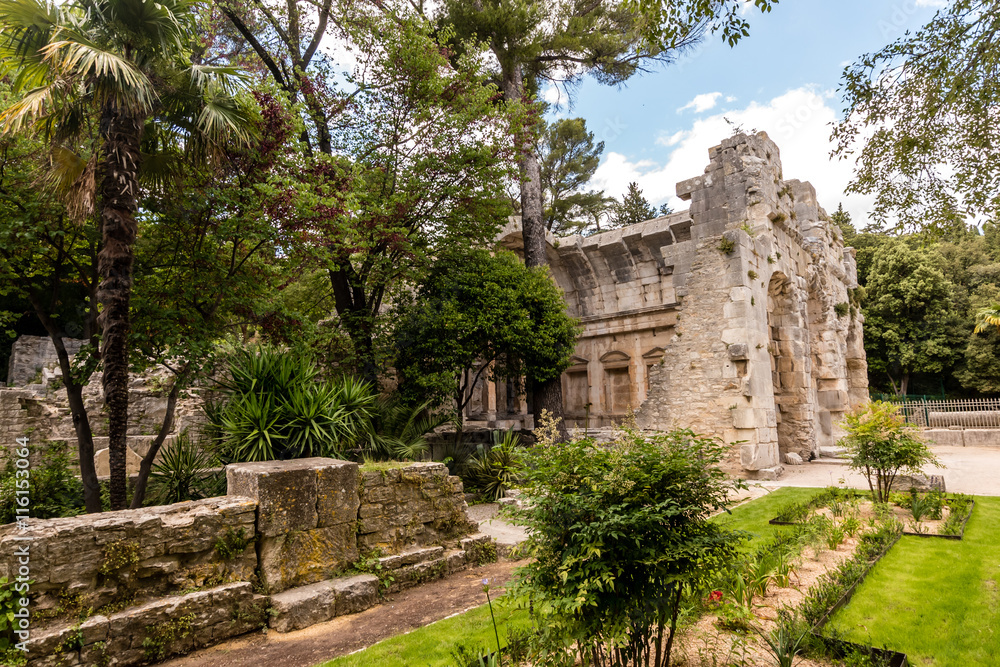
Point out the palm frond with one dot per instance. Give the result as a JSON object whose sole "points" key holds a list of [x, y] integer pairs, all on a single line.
{"points": [[988, 316], [112, 77]]}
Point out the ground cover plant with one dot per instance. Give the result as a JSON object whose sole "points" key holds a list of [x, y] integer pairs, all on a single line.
{"points": [[946, 588], [925, 513], [435, 645]]}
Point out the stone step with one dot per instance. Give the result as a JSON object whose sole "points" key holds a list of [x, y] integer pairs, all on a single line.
{"points": [[303, 606], [825, 460], [833, 453], [411, 557]]}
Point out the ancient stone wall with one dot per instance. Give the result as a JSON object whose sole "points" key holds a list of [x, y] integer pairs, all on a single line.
{"points": [[734, 318], [135, 586], [36, 407], [419, 505], [32, 356]]}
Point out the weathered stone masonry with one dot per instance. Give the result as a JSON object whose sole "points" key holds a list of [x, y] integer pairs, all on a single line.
{"points": [[733, 318], [277, 551]]}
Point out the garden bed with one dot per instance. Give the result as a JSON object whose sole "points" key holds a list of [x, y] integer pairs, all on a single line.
{"points": [[937, 515]]}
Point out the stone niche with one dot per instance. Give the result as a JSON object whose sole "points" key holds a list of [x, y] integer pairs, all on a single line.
{"points": [[734, 318]]}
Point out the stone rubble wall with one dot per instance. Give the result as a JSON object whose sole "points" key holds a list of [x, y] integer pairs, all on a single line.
{"points": [[35, 406], [418, 505], [280, 549]]}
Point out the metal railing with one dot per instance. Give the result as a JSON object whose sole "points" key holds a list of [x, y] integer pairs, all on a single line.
{"points": [[959, 413]]}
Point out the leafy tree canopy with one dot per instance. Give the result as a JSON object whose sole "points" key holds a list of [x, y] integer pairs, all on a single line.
{"points": [[569, 157], [483, 311], [920, 114]]}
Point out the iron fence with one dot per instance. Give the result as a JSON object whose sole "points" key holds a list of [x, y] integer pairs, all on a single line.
{"points": [[958, 413]]}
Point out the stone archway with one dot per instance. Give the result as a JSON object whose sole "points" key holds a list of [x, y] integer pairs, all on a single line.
{"points": [[790, 368]]}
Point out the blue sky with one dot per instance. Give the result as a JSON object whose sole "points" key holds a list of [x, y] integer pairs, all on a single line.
{"points": [[783, 79]]}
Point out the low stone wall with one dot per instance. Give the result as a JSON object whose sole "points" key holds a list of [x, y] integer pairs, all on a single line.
{"points": [[108, 561], [417, 505], [288, 547], [959, 437]]}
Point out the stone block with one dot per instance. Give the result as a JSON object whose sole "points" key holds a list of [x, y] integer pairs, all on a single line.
{"points": [[337, 488], [303, 606], [285, 492], [304, 557], [945, 436], [792, 459], [354, 594], [739, 351], [921, 483], [981, 437], [770, 474]]}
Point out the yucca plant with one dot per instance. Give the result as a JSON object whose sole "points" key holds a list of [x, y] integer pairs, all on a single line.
{"points": [[182, 473], [398, 430], [493, 471]]}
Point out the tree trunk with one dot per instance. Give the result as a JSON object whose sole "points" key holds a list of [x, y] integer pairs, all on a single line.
{"points": [[81, 421], [121, 132], [547, 395], [146, 466], [81, 424], [352, 308]]}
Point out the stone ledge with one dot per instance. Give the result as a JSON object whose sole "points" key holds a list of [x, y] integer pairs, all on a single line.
{"points": [[304, 606]]}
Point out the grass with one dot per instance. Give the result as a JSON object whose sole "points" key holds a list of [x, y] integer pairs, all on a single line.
{"points": [[753, 516], [936, 600], [431, 645]]}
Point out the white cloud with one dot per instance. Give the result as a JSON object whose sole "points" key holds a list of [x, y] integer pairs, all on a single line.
{"points": [[798, 122], [670, 140], [702, 102]]}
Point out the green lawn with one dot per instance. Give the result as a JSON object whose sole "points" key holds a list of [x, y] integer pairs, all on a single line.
{"points": [[431, 645], [936, 600], [754, 515]]}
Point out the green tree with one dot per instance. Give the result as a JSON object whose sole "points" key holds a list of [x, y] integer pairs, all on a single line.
{"points": [[880, 445], [50, 262], [481, 315], [633, 208], [569, 157], [920, 114], [842, 219], [405, 155], [116, 74], [911, 320], [619, 536]]}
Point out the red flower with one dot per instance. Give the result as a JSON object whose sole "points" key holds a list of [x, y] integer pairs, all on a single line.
{"points": [[716, 596]]}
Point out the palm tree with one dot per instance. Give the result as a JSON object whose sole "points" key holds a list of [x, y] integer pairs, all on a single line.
{"points": [[988, 316], [104, 80]]}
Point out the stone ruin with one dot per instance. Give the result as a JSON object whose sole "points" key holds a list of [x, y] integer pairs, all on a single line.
{"points": [[34, 405], [734, 318]]}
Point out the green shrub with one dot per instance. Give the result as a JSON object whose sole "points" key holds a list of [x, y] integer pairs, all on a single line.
{"points": [[275, 408], [880, 445], [619, 533], [55, 489]]}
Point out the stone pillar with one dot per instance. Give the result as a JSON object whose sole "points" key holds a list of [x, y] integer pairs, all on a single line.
{"points": [[307, 513]]}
